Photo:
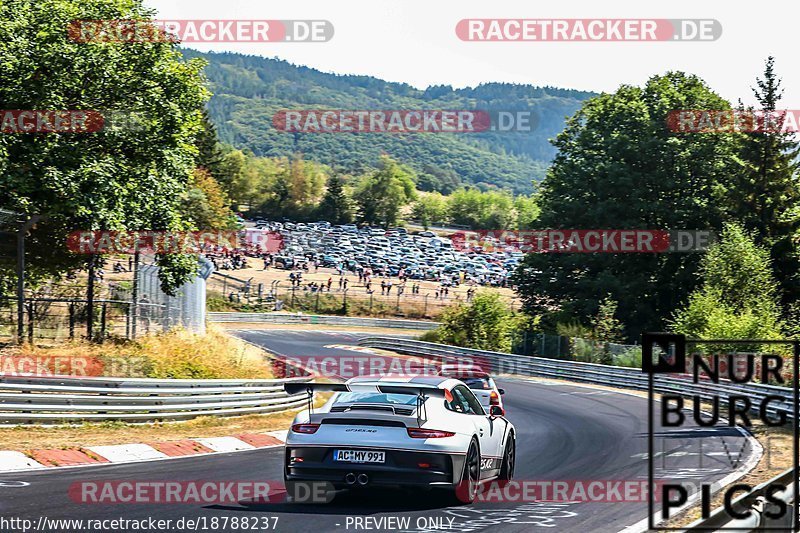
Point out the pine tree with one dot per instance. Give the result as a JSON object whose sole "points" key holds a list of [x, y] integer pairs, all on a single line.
{"points": [[766, 193], [335, 206], [211, 155]]}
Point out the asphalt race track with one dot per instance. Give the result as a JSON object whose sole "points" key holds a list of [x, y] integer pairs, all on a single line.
{"points": [[564, 432]]}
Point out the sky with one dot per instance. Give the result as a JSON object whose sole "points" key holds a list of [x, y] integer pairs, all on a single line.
{"points": [[415, 42]]}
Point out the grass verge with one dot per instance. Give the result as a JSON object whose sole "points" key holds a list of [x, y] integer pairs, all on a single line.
{"points": [[177, 354]]}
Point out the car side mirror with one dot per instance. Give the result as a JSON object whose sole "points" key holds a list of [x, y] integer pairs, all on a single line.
{"points": [[496, 410], [501, 391]]}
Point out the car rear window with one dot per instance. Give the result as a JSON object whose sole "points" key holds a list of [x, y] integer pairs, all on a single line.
{"points": [[477, 383], [376, 397]]}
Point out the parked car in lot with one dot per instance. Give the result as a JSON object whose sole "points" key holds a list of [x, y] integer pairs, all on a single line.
{"points": [[420, 256], [283, 261]]}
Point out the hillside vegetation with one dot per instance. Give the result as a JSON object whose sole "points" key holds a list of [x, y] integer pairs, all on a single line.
{"points": [[249, 90]]}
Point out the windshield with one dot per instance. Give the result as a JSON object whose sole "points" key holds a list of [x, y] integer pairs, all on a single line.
{"points": [[376, 397]]}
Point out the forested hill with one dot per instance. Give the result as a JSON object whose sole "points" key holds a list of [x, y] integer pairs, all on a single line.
{"points": [[248, 90]]}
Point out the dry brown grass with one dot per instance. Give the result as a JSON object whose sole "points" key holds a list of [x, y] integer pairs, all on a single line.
{"points": [[177, 354]]}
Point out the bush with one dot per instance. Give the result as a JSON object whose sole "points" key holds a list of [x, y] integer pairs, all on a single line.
{"points": [[632, 357], [487, 323], [432, 335], [738, 298]]}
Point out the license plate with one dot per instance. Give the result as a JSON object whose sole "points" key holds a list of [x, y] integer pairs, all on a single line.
{"points": [[359, 456]]}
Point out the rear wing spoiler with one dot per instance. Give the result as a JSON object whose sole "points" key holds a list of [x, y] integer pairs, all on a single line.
{"points": [[310, 388], [422, 392]]}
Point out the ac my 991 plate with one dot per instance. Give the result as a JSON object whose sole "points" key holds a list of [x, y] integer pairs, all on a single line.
{"points": [[359, 456]]}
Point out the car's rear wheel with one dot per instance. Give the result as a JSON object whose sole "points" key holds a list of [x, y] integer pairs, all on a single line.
{"points": [[467, 490], [509, 459]]}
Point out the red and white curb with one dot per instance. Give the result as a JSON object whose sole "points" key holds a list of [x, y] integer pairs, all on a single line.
{"points": [[43, 459]]}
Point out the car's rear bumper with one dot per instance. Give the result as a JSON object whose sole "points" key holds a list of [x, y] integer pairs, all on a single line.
{"points": [[402, 467]]}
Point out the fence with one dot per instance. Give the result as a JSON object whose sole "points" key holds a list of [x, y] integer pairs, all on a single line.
{"points": [[355, 300], [186, 308], [576, 349], [52, 400], [225, 284], [67, 318], [60, 310]]}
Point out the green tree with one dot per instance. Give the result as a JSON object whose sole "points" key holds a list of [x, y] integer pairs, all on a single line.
{"points": [[739, 294], [210, 152], [605, 325], [766, 190], [486, 323], [381, 194], [527, 208], [618, 166], [430, 208], [206, 203], [125, 177], [335, 206], [482, 209], [291, 188]]}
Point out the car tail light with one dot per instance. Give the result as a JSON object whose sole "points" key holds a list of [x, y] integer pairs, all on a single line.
{"points": [[305, 428], [420, 433], [494, 398]]}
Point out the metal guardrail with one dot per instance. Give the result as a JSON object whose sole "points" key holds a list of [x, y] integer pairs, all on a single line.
{"points": [[630, 378], [60, 399], [289, 318], [612, 376]]}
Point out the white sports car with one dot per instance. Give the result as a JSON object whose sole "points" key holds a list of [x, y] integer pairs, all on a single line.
{"points": [[426, 431]]}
